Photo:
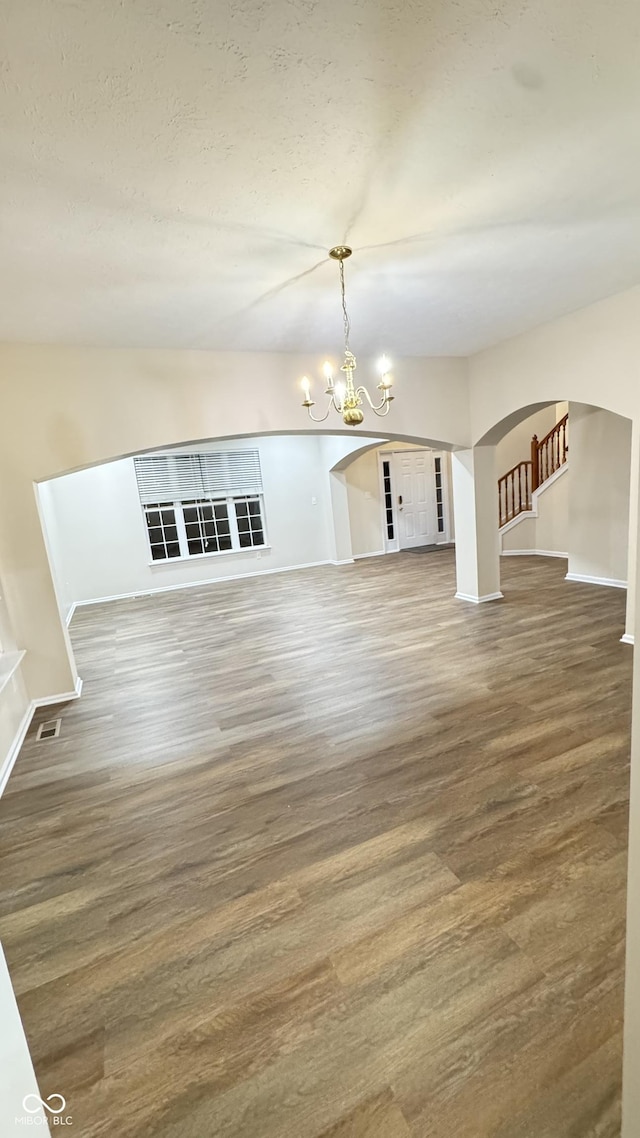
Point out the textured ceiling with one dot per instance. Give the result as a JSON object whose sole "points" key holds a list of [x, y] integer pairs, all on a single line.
{"points": [[172, 172]]}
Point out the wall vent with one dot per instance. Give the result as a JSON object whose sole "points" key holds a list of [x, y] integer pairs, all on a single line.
{"points": [[49, 730]]}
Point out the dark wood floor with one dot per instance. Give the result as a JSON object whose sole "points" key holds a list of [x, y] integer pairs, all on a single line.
{"points": [[330, 853]]}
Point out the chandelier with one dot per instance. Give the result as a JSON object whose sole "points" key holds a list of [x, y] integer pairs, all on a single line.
{"points": [[344, 397]]}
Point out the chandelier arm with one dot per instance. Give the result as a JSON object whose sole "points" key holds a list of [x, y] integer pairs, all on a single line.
{"points": [[321, 418], [374, 406], [385, 411]]}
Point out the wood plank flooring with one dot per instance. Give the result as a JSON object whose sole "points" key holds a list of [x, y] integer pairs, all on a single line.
{"points": [[330, 854]]}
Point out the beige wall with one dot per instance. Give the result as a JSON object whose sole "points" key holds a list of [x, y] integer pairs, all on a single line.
{"points": [[548, 532], [516, 445], [365, 506], [599, 493], [591, 356], [552, 523]]}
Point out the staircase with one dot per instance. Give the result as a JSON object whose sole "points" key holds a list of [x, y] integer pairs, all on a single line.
{"points": [[518, 484]]}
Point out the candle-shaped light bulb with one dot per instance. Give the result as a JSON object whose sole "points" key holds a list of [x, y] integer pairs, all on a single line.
{"points": [[340, 390], [328, 373], [383, 365], [306, 387]]}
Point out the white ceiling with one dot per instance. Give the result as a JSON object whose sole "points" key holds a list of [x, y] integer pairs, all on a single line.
{"points": [[171, 169]]}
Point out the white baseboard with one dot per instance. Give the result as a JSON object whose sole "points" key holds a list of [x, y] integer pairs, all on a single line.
{"points": [[533, 553], [479, 600], [378, 553], [202, 584], [587, 580], [627, 638], [63, 697], [14, 750], [69, 616]]}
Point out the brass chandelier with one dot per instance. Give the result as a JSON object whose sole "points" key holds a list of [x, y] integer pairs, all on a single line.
{"points": [[345, 397]]}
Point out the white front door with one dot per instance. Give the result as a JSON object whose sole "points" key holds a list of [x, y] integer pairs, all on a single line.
{"points": [[415, 489]]}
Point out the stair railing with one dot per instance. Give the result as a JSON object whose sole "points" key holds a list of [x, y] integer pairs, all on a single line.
{"points": [[514, 492], [517, 485], [550, 453]]}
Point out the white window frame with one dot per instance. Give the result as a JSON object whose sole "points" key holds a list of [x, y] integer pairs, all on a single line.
{"points": [[391, 545], [178, 507], [445, 538]]}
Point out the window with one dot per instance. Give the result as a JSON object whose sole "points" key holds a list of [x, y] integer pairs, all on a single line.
{"points": [[162, 530], [207, 527], [388, 501], [249, 519], [439, 495], [211, 503]]}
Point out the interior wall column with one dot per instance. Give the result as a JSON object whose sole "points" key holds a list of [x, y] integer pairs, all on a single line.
{"points": [[32, 611], [475, 509], [7, 638], [631, 1055], [599, 498], [340, 548], [629, 625]]}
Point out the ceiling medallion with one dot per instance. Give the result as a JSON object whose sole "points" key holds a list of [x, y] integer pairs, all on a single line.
{"points": [[344, 397]]}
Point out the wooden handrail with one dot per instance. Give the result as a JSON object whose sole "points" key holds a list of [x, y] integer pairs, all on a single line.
{"points": [[551, 452], [535, 465], [517, 485], [514, 492], [554, 430]]}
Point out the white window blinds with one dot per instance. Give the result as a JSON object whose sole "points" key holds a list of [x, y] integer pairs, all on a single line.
{"points": [[183, 477]]}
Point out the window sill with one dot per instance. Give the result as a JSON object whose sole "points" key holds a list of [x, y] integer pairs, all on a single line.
{"points": [[206, 556], [9, 664]]}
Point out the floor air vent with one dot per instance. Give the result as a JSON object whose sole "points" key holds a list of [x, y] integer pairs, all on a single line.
{"points": [[49, 730]]}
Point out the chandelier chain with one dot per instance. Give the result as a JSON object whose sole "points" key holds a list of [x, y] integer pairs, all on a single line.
{"points": [[345, 314]]}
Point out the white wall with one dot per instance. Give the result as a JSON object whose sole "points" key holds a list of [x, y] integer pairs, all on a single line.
{"points": [[599, 481], [97, 537]]}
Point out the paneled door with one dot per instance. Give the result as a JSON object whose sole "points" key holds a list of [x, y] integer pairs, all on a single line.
{"points": [[416, 499]]}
